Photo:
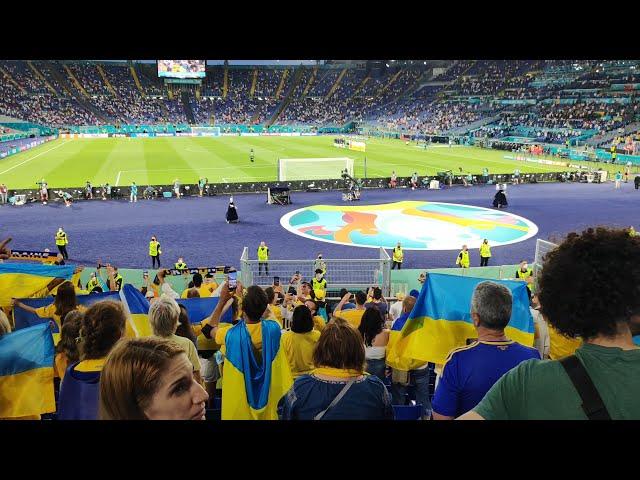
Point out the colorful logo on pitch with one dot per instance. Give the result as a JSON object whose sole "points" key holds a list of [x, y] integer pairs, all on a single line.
{"points": [[418, 225]]}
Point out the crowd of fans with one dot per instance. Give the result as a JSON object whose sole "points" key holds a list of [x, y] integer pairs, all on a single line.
{"points": [[329, 363], [390, 98]]}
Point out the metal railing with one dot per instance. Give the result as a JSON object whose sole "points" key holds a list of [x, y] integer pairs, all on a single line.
{"points": [[349, 273]]}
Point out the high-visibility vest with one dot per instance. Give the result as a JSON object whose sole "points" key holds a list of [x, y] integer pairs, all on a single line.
{"points": [[463, 259], [485, 250], [118, 278], [397, 254], [319, 287], [181, 266], [61, 238], [154, 248], [524, 275], [263, 253], [93, 283]]}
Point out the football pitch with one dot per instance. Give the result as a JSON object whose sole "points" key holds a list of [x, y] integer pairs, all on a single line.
{"points": [[121, 161]]}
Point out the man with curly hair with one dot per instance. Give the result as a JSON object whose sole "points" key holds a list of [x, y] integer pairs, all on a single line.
{"points": [[589, 288]]}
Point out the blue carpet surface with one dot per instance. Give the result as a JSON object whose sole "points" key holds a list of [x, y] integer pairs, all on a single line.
{"points": [[195, 228]]}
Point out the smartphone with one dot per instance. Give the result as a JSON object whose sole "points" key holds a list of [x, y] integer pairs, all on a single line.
{"points": [[233, 280], [145, 274], [291, 291], [276, 280]]}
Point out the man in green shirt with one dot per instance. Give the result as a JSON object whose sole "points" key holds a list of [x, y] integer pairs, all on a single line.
{"points": [[588, 289]]}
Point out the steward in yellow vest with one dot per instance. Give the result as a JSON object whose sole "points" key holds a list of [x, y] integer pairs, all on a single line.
{"points": [[398, 256], [463, 258], [154, 252], [263, 258], [61, 242], [485, 253]]}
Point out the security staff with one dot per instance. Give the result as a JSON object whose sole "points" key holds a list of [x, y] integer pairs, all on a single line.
{"points": [[117, 280], [62, 241], [319, 286], [154, 252], [614, 153], [523, 273], [485, 253], [263, 258], [463, 257], [93, 283], [398, 256], [180, 265], [320, 264]]}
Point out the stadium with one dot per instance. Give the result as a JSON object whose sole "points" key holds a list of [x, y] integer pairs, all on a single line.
{"points": [[309, 180]]}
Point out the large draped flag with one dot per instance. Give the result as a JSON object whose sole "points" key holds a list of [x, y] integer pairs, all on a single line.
{"points": [[200, 309], [441, 321], [24, 280], [26, 372], [252, 390]]}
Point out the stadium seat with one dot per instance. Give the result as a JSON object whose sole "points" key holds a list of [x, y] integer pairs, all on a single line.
{"points": [[407, 412]]}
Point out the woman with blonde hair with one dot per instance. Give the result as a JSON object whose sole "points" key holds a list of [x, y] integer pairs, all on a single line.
{"points": [[150, 379], [164, 317]]}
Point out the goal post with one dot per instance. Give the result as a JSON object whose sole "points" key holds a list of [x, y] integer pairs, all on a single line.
{"points": [[313, 168], [205, 131]]}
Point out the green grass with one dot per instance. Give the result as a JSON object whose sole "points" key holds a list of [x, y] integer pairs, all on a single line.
{"points": [[70, 163]]}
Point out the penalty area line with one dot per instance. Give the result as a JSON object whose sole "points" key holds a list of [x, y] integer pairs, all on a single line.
{"points": [[118, 178]]}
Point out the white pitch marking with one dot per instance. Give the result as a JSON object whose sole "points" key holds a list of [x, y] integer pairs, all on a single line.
{"points": [[118, 178], [35, 156]]}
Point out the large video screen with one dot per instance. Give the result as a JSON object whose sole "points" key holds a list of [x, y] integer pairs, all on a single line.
{"points": [[181, 68]]}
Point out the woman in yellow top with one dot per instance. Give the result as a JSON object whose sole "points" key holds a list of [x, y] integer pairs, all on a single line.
{"points": [[164, 316], [273, 310], [300, 343], [318, 321], [67, 349], [65, 301]]}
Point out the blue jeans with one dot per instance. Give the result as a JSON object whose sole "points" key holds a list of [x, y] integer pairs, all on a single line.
{"points": [[376, 367], [419, 379]]}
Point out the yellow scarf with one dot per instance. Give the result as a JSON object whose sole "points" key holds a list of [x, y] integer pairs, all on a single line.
{"points": [[337, 372], [92, 365]]}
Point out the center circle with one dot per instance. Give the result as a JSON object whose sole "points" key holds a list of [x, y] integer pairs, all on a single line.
{"points": [[418, 225]]}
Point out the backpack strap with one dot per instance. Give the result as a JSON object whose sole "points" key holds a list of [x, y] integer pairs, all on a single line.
{"points": [[338, 397], [592, 403]]}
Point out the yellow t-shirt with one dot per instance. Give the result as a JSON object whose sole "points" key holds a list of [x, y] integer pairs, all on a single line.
{"points": [[60, 364], [189, 348], [275, 314], [48, 311], [318, 323], [91, 365], [255, 331], [561, 346], [353, 316], [298, 348]]}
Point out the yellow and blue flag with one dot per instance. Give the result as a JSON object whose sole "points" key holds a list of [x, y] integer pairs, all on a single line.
{"points": [[252, 390], [137, 307], [24, 280], [23, 318], [26, 372], [441, 321]]}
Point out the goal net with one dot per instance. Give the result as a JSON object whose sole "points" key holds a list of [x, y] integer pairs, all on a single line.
{"points": [[313, 168], [205, 131]]}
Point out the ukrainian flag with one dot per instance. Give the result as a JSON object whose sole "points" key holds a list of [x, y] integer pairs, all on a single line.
{"points": [[137, 308], [252, 390], [23, 280], [200, 309], [441, 321], [24, 319], [26, 372]]}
